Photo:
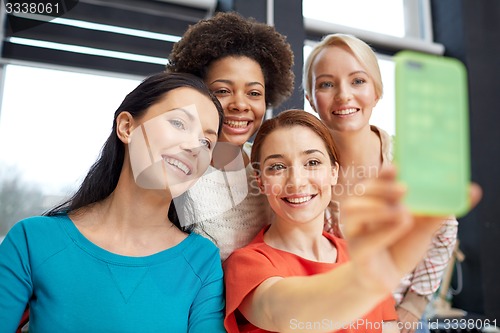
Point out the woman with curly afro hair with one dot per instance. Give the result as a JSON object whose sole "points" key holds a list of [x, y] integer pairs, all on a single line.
{"points": [[248, 66]]}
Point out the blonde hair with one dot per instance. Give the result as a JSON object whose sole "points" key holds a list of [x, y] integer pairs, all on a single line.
{"points": [[359, 49]]}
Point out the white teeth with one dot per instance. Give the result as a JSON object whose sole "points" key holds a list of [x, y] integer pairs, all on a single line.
{"points": [[178, 164], [344, 112], [234, 123], [299, 200]]}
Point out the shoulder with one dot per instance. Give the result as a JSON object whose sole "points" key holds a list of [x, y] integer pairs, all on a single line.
{"points": [[36, 225], [200, 246], [39, 237], [384, 136], [249, 266], [201, 254], [386, 142], [198, 242], [251, 251], [257, 256], [340, 244]]}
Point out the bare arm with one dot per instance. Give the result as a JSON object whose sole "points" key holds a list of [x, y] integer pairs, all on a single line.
{"points": [[333, 298], [385, 242]]}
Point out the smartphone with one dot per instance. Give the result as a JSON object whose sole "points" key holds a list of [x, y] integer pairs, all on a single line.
{"points": [[431, 148]]}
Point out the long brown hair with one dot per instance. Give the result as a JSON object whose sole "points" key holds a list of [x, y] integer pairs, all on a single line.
{"points": [[102, 178]]}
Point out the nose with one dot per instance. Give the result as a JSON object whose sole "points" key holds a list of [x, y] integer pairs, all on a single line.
{"points": [[343, 94], [238, 103], [191, 145], [296, 178]]}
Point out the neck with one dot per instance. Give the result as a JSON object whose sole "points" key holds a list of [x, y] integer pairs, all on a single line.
{"points": [[131, 207], [305, 240], [360, 154], [229, 157], [131, 221]]}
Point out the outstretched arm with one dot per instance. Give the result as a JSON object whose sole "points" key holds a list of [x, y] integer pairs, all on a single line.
{"points": [[385, 242], [330, 300]]}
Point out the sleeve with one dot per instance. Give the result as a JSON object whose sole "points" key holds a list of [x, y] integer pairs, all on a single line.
{"points": [[15, 278], [207, 311], [427, 275], [244, 270], [389, 309]]}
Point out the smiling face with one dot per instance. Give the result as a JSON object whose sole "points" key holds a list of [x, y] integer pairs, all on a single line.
{"points": [[171, 146], [296, 174], [238, 83], [343, 93]]}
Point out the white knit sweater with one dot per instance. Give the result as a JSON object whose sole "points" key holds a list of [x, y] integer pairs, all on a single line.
{"points": [[226, 207]]}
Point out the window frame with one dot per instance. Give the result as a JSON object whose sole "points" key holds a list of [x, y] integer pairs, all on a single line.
{"points": [[418, 25]]}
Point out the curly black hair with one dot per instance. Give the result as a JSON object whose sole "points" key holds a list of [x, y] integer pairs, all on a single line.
{"points": [[230, 34]]}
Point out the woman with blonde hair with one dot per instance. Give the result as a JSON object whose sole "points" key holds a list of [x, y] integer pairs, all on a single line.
{"points": [[343, 83]]}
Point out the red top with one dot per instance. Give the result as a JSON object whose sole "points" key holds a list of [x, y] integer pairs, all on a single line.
{"points": [[248, 267]]}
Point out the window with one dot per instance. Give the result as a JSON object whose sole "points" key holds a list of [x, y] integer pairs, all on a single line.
{"points": [[54, 121], [391, 25], [408, 27], [53, 124], [360, 14]]}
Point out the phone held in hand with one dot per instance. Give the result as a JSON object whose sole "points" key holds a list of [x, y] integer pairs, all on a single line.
{"points": [[432, 133]]}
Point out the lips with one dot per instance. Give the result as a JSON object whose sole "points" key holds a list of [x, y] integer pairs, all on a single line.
{"points": [[236, 126], [345, 112], [237, 123], [186, 169], [298, 200]]}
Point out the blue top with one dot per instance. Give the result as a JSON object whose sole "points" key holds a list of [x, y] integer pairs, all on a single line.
{"points": [[72, 285]]}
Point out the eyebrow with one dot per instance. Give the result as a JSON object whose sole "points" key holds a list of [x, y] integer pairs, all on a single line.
{"points": [[350, 74], [212, 132], [306, 152], [192, 118], [248, 84], [189, 114]]}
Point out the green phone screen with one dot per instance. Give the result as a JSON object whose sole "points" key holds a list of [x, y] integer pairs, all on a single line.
{"points": [[432, 133]]}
